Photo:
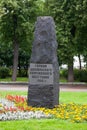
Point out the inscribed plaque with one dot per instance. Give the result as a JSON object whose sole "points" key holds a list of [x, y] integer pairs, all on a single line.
{"points": [[41, 73]]}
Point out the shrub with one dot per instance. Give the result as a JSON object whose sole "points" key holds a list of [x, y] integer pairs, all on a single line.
{"points": [[83, 75], [64, 73], [79, 75], [23, 73], [4, 72]]}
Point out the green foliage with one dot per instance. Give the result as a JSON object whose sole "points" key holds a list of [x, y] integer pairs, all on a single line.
{"points": [[23, 73], [16, 25], [24, 57], [64, 73], [6, 54], [4, 72], [64, 17], [71, 24], [79, 75], [17, 19], [85, 56]]}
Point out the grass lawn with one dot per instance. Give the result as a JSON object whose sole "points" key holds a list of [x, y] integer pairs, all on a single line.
{"points": [[76, 97], [65, 97], [20, 79], [42, 124], [47, 124], [4, 93], [24, 79]]}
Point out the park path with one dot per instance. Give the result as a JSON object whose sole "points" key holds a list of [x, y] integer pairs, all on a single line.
{"points": [[12, 87]]}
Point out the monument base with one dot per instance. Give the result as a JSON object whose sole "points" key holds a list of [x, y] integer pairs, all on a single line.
{"points": [[43, 96]]}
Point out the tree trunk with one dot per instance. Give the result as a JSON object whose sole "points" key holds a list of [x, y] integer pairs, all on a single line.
{"points": [[15, 60], [80, 66], [86, 65], [19, 67], [70, 72]]}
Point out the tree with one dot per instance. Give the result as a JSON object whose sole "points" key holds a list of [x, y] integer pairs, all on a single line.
{"points": [[64, 16], [16, 24], [81, 23], [5, 55], [70, 17]]}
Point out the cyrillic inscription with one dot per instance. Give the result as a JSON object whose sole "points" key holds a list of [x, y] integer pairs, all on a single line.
{"points": [[41, 73]]}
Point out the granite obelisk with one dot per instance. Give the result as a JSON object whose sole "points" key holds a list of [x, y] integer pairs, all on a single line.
{"points": [[43, 70]]}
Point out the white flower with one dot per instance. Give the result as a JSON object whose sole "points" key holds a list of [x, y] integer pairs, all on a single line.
{"points": [[19, 114]]}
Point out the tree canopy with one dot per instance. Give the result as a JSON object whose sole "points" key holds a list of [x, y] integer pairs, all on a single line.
{"points": [[17, 20], [71, 24], [16, 24]]}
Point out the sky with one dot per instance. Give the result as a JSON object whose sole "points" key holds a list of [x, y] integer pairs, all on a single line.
{"points": [[76, 63]]}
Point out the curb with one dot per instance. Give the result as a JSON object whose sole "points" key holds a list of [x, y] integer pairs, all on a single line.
{"points": [[13, 83], [61, 84]]}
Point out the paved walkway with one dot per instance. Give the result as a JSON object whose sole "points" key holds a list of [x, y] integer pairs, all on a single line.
{"points": [[25, 88]]}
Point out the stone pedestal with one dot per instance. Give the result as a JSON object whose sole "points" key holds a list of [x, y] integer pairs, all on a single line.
{"points": [[43, 73]]}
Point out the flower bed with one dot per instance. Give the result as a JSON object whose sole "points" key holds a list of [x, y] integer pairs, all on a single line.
{"points": [[15, 107]]}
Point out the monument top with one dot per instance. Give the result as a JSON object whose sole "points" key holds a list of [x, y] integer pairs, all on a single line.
{"points": [[45, 44], [44, 17]]}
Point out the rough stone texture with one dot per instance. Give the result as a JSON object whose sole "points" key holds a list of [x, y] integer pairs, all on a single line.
{"points": [[44, 52]]}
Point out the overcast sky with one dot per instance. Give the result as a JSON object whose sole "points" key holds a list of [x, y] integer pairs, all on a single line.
{"points": [[76, 62]]}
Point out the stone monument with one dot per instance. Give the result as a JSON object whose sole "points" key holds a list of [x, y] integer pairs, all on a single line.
{"points": [[43, 70]]}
